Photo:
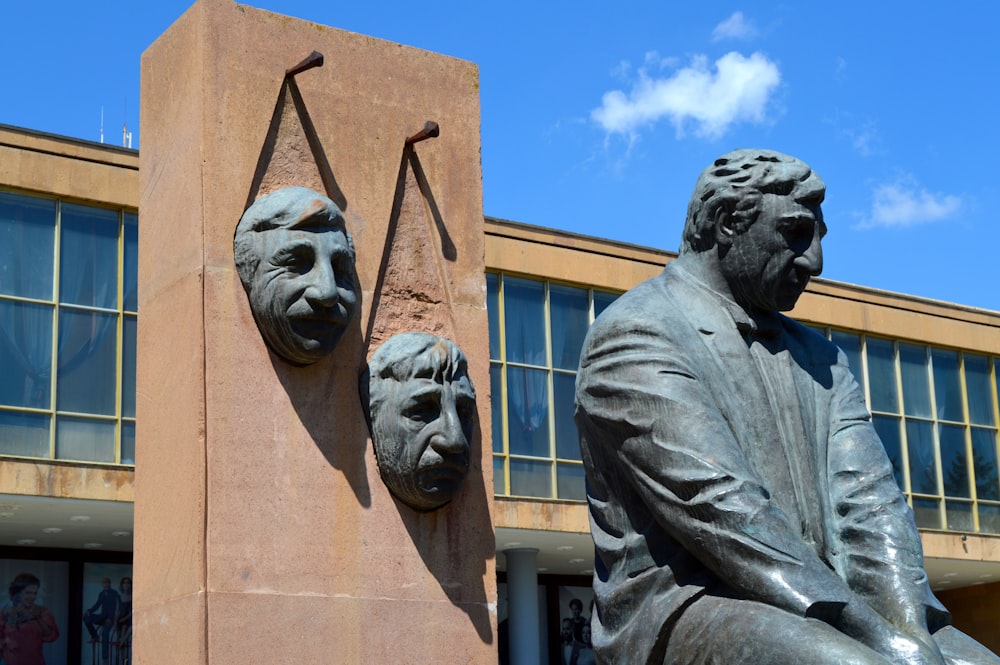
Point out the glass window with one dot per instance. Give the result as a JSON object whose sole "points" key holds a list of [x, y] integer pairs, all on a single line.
{"points": [[85, 440], [537, 329], [527, 412], [570, 314], [572, 481], [989, 518], [850, 344], [496, 415], [24, 434], [567, 439], [920, 449], [949, 399], [954, 461], [130, 265], [128, 366], [916, 384], [927, 513], [984, 463], [128, 443], [499, 476], [977, 387], [524, 321], [947, 387], [25, 354], [882, 375], [887, 428], [959, 515], [493, 313], [27, 233], [602, 300], [530, 478], [88, 247], [87, 362], [67, 345]]}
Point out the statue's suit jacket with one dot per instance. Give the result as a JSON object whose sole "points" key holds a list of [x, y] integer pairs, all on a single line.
{"points": [[681, 445]]}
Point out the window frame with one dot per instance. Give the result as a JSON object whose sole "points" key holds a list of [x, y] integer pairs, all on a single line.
{"points": [[936, 423], [125, 217], [502, 456]]}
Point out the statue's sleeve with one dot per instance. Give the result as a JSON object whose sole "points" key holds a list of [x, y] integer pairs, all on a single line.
{"points": [[881, 555], [650, 422]]}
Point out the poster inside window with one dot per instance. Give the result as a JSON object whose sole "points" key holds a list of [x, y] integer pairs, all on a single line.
{"points": [[572, 633], [107, 614], [33, 612]]}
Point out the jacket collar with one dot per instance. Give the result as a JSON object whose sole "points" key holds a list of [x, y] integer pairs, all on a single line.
{"points": [[763, 325]]}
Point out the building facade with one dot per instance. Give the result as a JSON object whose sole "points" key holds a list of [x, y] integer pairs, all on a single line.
{"points": [[69, 223]]}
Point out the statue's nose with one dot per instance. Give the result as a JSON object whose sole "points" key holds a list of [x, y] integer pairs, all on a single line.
{"points": [[450, 438], [812, 259], [322, 290]]}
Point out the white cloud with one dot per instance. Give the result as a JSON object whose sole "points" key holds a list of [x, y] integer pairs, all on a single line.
{"points": [[840, 69], [738, 90], [861, 132], [734, 27], [904, 203], [653, 60], [864, 139], [622, 70]]}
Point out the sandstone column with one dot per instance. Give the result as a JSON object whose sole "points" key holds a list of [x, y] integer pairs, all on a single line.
{"points": [[263, 530]]}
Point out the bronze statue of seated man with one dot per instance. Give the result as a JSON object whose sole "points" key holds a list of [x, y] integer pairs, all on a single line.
{"points": [[742, 506]]}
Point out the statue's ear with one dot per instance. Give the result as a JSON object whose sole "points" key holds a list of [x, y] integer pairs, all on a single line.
{"points": [[724, 230]]}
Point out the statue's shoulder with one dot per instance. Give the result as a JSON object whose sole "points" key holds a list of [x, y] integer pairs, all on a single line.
{"points": [[654, 308], [647, 300]]}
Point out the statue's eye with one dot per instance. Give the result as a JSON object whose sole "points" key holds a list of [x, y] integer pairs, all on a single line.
{"points": [[343, 271], [296, 258], [466, 409], [798, 232], [424, 410]]}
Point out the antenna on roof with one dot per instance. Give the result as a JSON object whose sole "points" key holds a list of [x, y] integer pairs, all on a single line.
{"points": [[126, 134], [102, 123]]}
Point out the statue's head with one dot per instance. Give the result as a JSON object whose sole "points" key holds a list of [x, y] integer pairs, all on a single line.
{"points": [[422, 408], [759, 210], [296, 261]]}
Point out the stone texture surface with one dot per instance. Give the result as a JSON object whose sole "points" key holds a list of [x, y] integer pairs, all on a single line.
{"points": [[413, 291], [257, 491]]}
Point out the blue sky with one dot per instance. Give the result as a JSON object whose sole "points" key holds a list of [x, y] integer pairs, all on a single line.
{"points": [[598, 117]]}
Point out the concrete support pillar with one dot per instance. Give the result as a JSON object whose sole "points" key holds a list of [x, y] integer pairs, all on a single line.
{"points": [[522, 598]]}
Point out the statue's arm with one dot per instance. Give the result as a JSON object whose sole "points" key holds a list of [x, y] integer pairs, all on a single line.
{"points": [[643, 410], [882, 558]]}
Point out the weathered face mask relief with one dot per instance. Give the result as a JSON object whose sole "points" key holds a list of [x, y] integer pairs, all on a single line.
{"points": [[296, 261], [422, 406]]}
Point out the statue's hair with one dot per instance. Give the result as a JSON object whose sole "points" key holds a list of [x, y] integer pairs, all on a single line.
{"points": [[283, 209], [736, 182], [413, 355]]}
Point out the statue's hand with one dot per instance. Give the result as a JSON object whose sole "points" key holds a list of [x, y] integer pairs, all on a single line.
{"points": [[907, 650], [865, 625]]}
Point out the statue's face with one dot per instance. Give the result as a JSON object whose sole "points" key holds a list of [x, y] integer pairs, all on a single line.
{"points": [[422, 431], [303, 291], [769, 264]]}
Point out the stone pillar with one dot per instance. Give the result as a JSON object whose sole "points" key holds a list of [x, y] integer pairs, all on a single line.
{"points": [[522, 599], [264, 532]]}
